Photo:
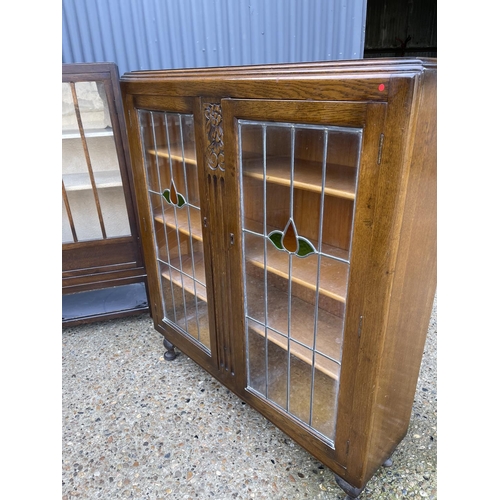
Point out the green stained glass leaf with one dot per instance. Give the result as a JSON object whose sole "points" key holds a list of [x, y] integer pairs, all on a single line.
{"points": [[166, 195], [305, 248], [180, 200], [275, 237]]}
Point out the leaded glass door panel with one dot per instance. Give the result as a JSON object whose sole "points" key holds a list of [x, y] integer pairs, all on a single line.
{"points": [[169, 156], [298, 186]]}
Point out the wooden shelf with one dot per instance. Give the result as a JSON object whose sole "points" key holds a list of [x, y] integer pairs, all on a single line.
{"points": [[182, 222], [340, 180], [175, 154], [175, 276], [329, 327], [103, 179], [98, 132]]}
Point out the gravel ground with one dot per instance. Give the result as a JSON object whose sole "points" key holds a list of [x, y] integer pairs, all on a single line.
{"points": [[135, 426]]}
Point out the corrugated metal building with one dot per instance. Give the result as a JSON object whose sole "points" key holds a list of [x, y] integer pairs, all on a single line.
{"points": [[155, 34]]}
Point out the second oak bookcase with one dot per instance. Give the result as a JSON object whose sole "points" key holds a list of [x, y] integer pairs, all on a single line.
{"points": [[288, 219]]}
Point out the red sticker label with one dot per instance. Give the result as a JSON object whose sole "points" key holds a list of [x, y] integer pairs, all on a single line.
{"points": [[381, 87]]}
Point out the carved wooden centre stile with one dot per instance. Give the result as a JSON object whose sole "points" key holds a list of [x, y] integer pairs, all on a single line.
{"points": [[216, 191]]}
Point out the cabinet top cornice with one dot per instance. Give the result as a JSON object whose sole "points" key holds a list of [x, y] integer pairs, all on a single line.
{"points": [[311, 69]]}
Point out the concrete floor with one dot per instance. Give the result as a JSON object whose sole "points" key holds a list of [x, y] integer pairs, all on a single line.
{"points": [[135, 426]]}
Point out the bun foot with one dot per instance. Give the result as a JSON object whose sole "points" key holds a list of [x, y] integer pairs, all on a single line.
{"points": [[352, 493], [170, 353]]}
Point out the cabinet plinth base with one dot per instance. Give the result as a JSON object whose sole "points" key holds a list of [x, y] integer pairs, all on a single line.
{"points": [[170, 355], [352, 493]]}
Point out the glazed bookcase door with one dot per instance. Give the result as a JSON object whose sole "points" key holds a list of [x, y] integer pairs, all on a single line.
{"points": [[101, 250], [174, 199], [298, 169]]}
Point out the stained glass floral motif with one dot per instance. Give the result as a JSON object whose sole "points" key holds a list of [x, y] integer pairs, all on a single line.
{"points": [[173, 197], [288, 240]]}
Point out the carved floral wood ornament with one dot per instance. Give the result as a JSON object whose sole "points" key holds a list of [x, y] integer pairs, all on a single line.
{"points": [[213, 125]]}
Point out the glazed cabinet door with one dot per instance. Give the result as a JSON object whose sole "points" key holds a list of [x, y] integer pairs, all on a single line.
{"points": [[298, 167], [173, 211], [100, 244]]}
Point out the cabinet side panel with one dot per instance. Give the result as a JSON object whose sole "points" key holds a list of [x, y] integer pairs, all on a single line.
{"points": [[413, 288], [373, 278]]}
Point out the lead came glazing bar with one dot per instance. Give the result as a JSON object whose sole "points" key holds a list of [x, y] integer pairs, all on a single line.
{"points": [[153, 127], [334, 128], [188, 208], [181, 274], [245, 301], [320, 241], [292, 164], [266, 347], [164, 226]]}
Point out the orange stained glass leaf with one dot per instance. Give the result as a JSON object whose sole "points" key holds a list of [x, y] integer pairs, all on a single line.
{"points": [[289, 239], [173, 193]]}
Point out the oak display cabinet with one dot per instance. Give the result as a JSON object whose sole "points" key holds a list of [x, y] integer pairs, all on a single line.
{"points": [[288, 219]]}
